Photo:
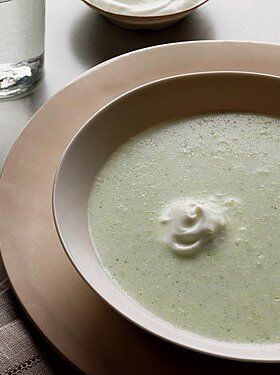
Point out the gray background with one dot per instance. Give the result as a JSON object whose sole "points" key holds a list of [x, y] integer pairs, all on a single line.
{"points": [[77, 39]]}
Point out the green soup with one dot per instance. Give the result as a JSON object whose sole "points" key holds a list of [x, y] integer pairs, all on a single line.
{"points": [[230, 289]]}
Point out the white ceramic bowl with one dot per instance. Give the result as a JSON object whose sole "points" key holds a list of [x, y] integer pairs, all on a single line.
{"points": [[145, 22], [131, 113]]}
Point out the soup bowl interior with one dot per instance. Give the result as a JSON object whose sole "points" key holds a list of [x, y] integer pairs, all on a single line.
{"points": [[165, 100]]}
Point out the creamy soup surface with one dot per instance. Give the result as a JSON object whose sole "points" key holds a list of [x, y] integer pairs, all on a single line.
{"points": [[230, 288]]}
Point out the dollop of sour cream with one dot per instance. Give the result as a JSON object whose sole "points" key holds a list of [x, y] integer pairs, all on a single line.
{"points": [[191, 223], [145, 7]]}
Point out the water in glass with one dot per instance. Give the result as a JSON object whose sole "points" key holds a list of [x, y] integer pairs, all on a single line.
{"points": [[22, 26]]}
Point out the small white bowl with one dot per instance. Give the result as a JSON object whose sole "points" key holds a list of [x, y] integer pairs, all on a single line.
{"points": [[145, 22], [154, 103]]}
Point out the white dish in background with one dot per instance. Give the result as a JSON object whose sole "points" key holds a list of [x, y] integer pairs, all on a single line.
{"points": [[153, 17]]}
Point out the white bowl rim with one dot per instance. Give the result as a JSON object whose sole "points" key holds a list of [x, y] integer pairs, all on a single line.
{"points": [[92, 4], [262, 353]]}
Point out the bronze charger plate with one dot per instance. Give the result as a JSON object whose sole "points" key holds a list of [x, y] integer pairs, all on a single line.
{"points": [[70, 315]]}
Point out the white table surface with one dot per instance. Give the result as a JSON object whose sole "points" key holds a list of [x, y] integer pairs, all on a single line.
{"points": [[77, 39]]}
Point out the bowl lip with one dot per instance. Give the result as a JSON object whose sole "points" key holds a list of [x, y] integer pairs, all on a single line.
{"points": [[255, 358], [135, 17]]}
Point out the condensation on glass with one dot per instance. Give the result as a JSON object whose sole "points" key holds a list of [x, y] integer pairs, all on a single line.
{"points": [[22, 29]]}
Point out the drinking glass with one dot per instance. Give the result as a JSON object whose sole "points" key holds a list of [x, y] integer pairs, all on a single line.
{"points": [[22, 29]]}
